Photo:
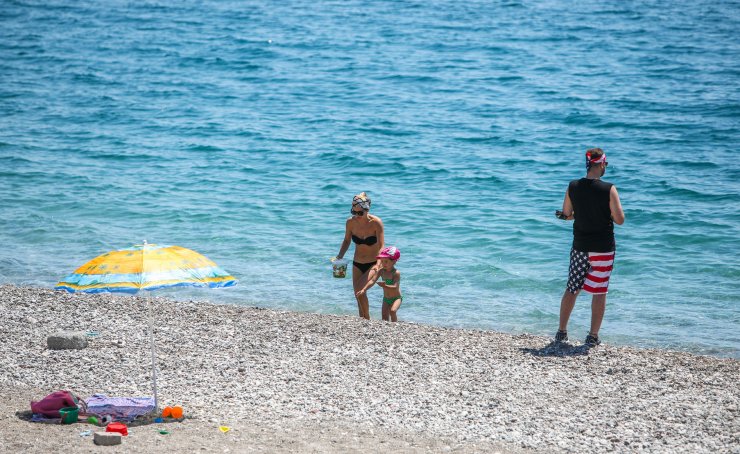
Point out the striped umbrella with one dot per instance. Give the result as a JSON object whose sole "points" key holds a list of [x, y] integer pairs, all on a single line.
{"points": [[146, 267]]}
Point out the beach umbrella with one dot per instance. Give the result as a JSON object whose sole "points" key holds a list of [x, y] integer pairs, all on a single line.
{"points": [[146, 267]]}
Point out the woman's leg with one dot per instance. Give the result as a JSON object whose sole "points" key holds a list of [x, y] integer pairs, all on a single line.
{"points": [[394, 309], [358, 281]]}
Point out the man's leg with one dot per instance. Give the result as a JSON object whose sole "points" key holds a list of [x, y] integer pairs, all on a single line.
{"points": [[566, 307], [579, 266], [598, 307]]}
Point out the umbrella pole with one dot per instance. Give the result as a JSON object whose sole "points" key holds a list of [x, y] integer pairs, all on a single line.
{"points": [[154, 357]]}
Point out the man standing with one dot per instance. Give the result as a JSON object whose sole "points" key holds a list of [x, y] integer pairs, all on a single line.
{"points": [[595, 206]]}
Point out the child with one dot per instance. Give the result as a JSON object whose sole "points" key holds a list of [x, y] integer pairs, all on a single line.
{"points": [[390, 280]]}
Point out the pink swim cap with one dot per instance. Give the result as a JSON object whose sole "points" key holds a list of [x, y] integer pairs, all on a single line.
{"points": [[390, 252]]}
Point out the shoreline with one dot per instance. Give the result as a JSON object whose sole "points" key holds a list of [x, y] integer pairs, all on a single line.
{"points": [[398, 387]]}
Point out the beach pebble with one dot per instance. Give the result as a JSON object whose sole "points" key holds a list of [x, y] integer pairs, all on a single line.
{"points": [[232, 365], [66, 340]]}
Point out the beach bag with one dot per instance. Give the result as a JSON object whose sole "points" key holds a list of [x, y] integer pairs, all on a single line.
{"points": [[50, 405]]}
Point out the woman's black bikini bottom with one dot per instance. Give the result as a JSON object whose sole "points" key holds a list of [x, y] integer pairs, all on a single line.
{"points": [[363, 267]]}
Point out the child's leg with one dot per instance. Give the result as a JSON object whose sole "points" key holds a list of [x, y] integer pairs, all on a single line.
{"points": [[394, 309], [386, 310]]}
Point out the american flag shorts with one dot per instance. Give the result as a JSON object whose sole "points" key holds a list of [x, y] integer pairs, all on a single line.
{"points": [[590, 271]]}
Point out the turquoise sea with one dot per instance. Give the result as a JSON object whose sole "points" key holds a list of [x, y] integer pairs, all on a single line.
{"points": [[242, 130]]}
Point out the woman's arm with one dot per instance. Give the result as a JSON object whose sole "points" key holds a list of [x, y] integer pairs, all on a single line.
{"points": [[380, 233], [346, 242]]}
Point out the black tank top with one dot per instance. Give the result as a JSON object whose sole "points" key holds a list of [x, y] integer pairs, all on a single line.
{"points": [[593, 229]]}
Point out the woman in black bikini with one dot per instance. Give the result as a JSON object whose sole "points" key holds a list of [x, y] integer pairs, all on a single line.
{"points": [[366, 231]]}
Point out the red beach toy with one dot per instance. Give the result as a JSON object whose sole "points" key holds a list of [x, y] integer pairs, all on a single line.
{"points": [[117, 427]]}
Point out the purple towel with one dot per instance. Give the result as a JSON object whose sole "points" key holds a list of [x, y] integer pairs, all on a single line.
{"points": [[45, 419], [120, 408]]}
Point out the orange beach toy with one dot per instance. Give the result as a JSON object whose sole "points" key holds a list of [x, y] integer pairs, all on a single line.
{"points": [[172, 412]]}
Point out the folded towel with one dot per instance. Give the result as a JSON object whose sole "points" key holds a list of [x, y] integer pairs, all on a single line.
{"points": [[120, 408]]}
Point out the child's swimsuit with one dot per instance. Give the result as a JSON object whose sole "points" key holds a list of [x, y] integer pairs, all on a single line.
{"points": [[391, 299]]}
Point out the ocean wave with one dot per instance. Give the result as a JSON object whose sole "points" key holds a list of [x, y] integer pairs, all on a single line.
{"points": [[489, 139], [387, 132], [202, 147], [129, 156], [690, 164], [696, 194]]}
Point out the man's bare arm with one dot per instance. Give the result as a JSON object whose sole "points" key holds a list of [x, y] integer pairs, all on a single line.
{"points": [[616, 206]]}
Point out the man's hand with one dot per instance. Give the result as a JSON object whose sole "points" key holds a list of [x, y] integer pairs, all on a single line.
{"points": [[560, 215]]}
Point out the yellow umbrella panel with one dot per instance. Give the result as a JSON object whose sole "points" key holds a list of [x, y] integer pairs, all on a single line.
{"points": [[146, 267]]}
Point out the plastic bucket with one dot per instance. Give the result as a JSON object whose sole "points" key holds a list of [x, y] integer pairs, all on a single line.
{"points": [[69, 414], [339, 268], [117, 427]]}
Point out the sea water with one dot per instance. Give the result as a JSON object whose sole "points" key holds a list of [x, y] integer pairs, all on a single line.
{"points": [[243, 129]]}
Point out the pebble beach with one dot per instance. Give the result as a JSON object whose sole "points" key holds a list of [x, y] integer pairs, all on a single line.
{"points": [[301, 382]]}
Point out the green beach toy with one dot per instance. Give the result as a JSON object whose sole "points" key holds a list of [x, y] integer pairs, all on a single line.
{"points": [[69, 414]]}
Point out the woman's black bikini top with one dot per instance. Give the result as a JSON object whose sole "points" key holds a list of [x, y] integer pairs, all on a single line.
{"points": [[369, 240]]}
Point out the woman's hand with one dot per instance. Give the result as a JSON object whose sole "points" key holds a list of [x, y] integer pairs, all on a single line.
{"points": [[360, 292], [381, 283]]}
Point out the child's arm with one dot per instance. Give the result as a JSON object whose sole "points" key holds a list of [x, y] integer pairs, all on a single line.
{"points": [[369, 284]]}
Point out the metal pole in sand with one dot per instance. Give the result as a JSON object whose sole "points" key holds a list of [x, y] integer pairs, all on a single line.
{"points": [[151, 330], [154, 357]]}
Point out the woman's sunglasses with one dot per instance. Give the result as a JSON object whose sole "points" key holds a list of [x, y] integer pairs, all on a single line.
{"points": [[356, 213]]}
